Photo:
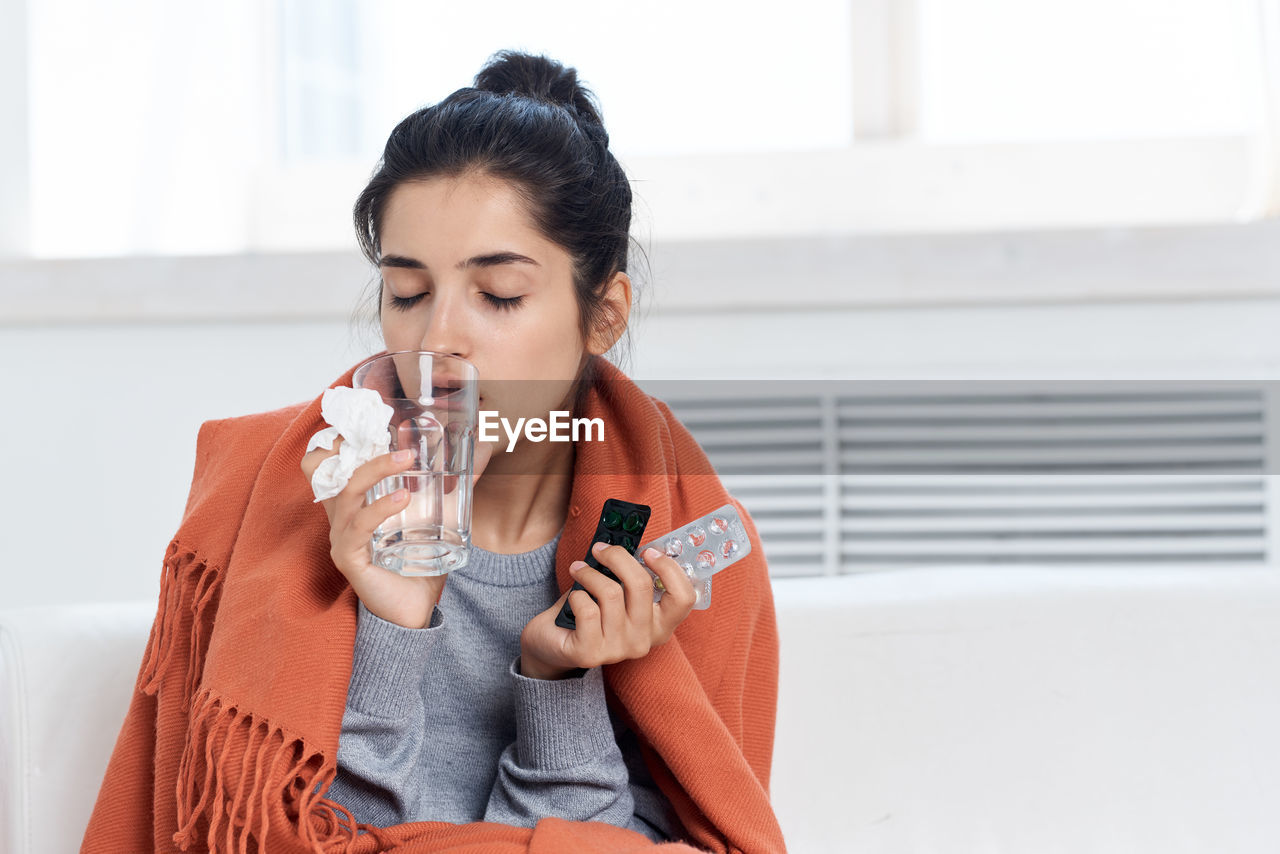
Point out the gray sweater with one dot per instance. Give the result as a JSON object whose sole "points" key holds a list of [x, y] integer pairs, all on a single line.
{"points": [[440, 725]]}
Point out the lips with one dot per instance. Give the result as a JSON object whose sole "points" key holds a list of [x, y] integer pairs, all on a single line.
{"points": [[443, 385], [448, 389]]}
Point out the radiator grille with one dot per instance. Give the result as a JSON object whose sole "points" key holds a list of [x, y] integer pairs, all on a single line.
{"points": [[846, 482]]}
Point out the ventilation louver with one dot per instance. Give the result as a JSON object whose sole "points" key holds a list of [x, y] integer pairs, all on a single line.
{"points": [[912, 474]]}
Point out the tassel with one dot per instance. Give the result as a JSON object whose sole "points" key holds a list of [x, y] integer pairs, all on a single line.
{"points": [[257, 775], [236, 824], [215, 795], [160, 642], [221, 810], [205, 599], [182, 571]]}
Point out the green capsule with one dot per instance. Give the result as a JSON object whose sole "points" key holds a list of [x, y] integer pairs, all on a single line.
{"points": [[612, 518], [632, 524]]}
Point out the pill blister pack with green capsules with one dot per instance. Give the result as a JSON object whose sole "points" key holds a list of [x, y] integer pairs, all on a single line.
{"points": [[621, 523], [703, 547]]}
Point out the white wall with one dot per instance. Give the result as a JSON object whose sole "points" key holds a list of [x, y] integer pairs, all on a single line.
{"points": [[99, 430], [99, 435]]}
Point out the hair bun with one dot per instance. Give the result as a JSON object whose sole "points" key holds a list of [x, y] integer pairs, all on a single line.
{"points": [[510, 71]]}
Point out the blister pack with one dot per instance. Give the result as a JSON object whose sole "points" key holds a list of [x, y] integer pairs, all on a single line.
{"points": [[702, 547], [621, 523]]}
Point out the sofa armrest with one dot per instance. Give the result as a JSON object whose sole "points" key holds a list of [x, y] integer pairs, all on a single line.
{"points": [[66, 677]]}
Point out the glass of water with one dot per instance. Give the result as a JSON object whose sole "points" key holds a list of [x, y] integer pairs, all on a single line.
{"points": [[434, 398]]}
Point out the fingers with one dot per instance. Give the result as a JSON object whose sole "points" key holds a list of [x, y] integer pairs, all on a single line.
{"points": [[615, 620], [610, 602], [587, 637], [626, 606], [636, 583], [366, 476], [347, 510], [368, 518], [678, 600]]}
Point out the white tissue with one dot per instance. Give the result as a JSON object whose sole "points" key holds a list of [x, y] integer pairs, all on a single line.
{"points": [[360, 417]]}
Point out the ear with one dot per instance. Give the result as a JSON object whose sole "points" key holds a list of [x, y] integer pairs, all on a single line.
{"points": [[617, 310]]}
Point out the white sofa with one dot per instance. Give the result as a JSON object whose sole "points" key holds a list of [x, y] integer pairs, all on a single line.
{"points": [[956, 709]]}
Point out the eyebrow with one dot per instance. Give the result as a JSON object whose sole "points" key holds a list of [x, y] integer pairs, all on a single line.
{"points": [[493, 259]]}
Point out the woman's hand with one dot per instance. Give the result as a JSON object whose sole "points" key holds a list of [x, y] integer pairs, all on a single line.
{"points": [[404, 600], [623, 622]]}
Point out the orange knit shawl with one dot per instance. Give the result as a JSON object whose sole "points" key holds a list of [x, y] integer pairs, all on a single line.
{"points": [[232, 733]]}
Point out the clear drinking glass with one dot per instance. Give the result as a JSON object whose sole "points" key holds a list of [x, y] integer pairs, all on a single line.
{"points": [[435, 400]]}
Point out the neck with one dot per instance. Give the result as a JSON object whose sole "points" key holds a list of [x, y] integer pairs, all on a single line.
{"points": [[522, 499]]}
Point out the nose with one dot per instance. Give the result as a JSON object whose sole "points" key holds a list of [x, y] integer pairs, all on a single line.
{"points": [[446, 326]]}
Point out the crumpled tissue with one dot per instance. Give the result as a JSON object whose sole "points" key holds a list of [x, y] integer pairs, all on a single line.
{"points": [[362, 419]]}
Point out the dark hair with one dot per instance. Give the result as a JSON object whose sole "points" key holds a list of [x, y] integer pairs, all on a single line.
{"points": [[529, 121]]}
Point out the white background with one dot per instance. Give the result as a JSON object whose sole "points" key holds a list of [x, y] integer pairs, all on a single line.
{"points": [[178, 247]]}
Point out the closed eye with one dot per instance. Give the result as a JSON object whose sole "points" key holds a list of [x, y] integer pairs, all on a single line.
{"points": [[405, 303], [504, 303]]}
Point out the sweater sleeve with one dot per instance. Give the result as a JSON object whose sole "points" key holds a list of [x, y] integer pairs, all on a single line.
{"points": [[384, 724], [566, 762]]}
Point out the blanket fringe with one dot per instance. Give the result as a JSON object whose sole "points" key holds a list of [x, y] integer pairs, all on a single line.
{"points": [[235, 767], [185, 578], [229, 756]]}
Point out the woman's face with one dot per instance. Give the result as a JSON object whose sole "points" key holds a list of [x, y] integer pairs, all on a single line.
{"points": [[465, 272]]}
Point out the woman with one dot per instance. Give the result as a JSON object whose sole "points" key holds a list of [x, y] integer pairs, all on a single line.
{"points": [[498, 221]]}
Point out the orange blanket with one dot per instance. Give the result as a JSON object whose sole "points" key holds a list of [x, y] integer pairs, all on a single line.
{"points": [[232, 734]]}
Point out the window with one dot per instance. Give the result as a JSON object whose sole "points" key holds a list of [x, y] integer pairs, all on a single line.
{"points": [[251, 124], [1007, 71]]}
